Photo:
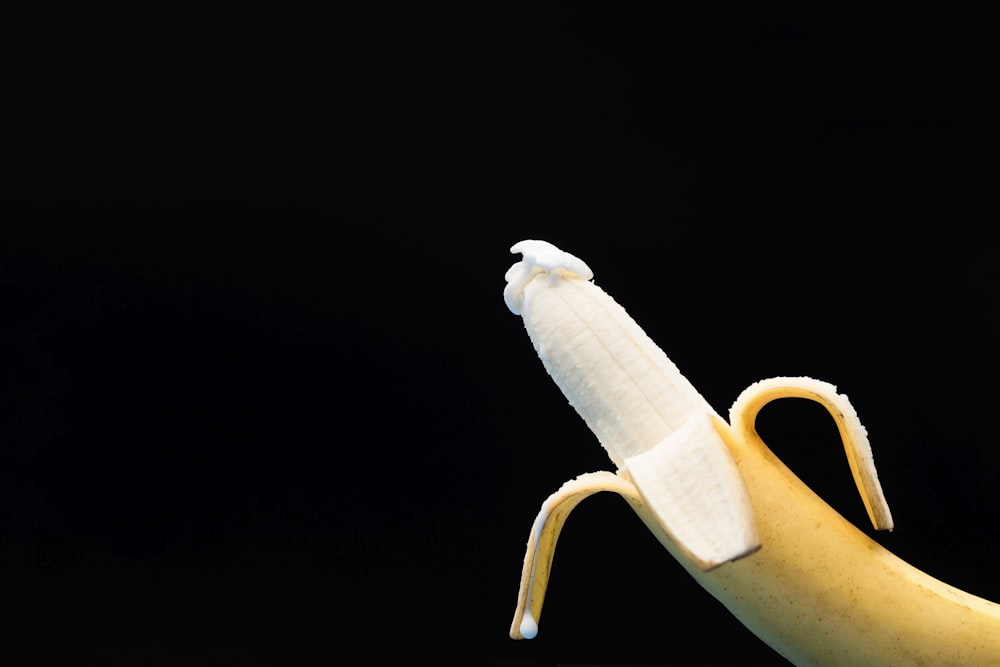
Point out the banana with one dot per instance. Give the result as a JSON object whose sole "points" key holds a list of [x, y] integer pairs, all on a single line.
{"points": [[797, 574]]}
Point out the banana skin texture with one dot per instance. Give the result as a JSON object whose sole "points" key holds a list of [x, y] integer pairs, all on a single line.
{"points": [[802, 578]]}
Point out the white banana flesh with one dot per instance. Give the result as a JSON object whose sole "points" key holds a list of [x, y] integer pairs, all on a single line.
{"points": [[651, 420], [787, 565]]}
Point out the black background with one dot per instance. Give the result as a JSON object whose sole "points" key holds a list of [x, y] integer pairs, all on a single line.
{"points": [[262, 400]]}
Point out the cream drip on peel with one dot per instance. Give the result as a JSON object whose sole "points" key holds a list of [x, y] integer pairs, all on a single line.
{"points": [[528, 627]]}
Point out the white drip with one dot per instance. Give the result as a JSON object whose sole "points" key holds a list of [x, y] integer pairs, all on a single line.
{"points": [[529, 626]]}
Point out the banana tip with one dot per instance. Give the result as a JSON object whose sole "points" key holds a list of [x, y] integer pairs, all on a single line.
{"points": [[539, 257]]}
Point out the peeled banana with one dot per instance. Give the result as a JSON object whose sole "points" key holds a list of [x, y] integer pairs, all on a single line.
{"points": [[786, 564]]}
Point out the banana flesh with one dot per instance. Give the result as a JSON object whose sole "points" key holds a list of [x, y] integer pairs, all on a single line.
{"points": [[801, 577], [664, 442]]}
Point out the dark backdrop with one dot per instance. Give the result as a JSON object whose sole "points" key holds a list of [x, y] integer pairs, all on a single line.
{"points": [[262, 400]]}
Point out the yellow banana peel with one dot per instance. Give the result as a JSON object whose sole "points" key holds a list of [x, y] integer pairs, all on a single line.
{"points": [[805, 580]]}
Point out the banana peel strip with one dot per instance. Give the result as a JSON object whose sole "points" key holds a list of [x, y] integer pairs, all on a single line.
{"points": [[853, 434], [544, 535]]}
